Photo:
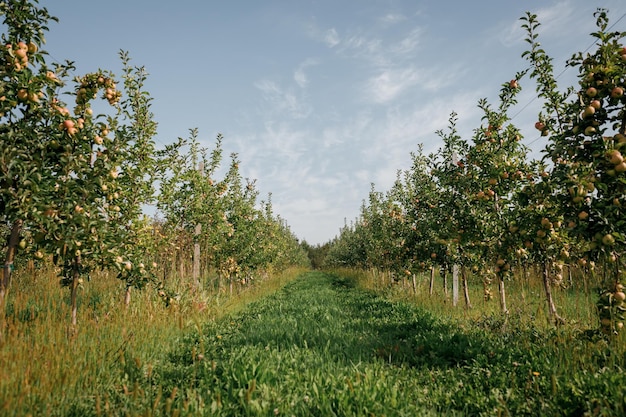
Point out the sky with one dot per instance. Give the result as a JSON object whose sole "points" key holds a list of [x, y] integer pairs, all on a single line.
{"points": [[320, 99]]}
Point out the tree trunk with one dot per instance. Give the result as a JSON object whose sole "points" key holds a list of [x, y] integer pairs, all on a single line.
{"points": [[432, 280], [553, 316], [127, 296], [502, 293], [195, 275], [468, 303], [5, 280], [74, 289], [7, 270], [445, 280], [414, 284], [455, 285]]}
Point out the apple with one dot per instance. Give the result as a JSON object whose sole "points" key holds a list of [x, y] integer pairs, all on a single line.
{"points": [[596, 104], [590, 130], [113, 173], [588, 112], [583, 215], [21, 52], [608, 240], [591, 92], [617, 92], [514, 84], [540, 126], [614, 156], [22, 94], [621, 167]]}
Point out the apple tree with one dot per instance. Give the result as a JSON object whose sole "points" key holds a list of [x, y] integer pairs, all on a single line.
{"points": [[586, 127]]}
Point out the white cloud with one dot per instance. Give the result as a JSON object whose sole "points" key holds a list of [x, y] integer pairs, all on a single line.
{"points": [[281, 101], [390, 83], [300, 76], [392, 18], [555, 20], [331, 38], [406, 46]]}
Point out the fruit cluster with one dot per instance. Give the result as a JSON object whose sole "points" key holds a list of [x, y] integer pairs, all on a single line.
{"points": [[88, 90], [19, 54], [611, 309]]}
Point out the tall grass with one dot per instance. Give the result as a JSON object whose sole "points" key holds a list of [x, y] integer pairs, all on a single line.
{"points": [[575, 300], [48, 367]]}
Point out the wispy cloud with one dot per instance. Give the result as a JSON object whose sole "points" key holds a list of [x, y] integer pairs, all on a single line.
{"points": [[390, 83], [392, 18], [331, 37], [300, 76], [554, 19], [283, 101]]}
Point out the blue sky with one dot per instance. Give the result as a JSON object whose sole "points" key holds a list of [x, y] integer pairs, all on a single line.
{"points": [[321, 98]]}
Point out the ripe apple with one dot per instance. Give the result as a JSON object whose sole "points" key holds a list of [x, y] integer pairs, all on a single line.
{"points": [[591, 92], [590, 130], [596, 104], [621, 167], [614, 156], [617, 92], [540, 126], [68, 124], [22, 94], [21, 53], [583, 215], [588, 112], [514, 84]]}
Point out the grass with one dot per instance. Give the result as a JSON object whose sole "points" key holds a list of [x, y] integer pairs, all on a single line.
{"points": [[307, 344], [49, 368]]}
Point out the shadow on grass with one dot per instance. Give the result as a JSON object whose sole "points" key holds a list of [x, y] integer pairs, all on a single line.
{"points": [[328, 313]]}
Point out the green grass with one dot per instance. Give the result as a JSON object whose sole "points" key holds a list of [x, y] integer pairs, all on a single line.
{"points": [[316, 345]]}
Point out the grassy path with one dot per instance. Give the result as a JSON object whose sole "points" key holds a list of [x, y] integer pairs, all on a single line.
{"points": [[322, 347]]}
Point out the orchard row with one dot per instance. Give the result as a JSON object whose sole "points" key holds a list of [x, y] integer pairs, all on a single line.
{"points": [[74, 182], [480, 203]]}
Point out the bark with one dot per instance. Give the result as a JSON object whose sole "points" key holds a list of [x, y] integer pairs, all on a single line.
{"points": [[414, 284], [74, 290], [502, 293], [5, 281], [195, 276], [432, 280], [553, 316], [127, 296], [468, 303]]}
